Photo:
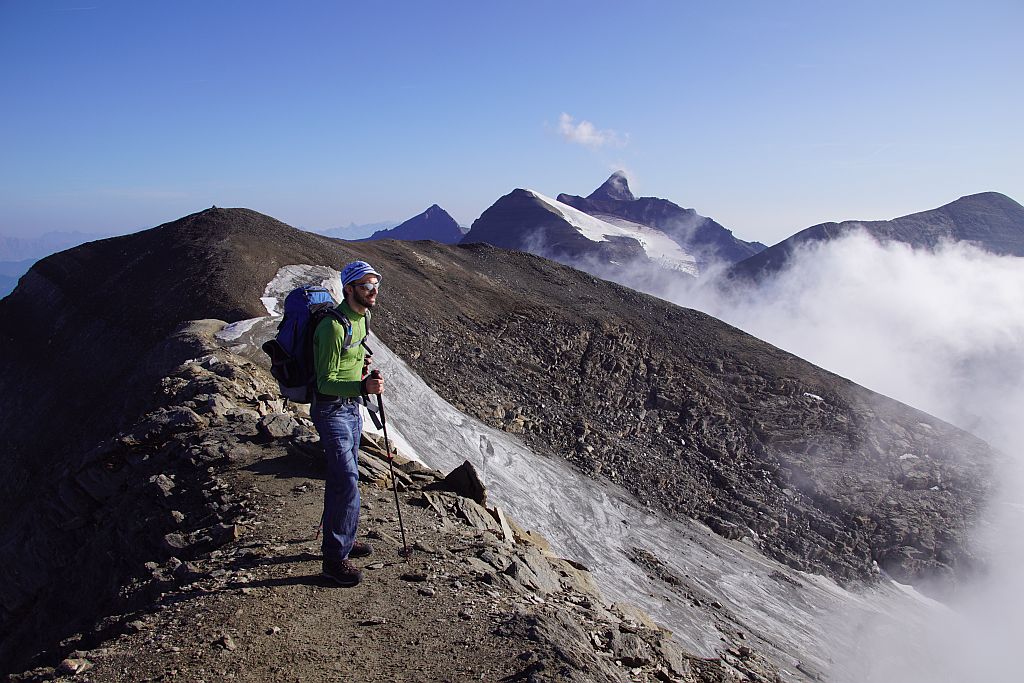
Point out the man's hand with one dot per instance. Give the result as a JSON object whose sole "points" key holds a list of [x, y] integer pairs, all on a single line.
{"points": [[374, 384]]}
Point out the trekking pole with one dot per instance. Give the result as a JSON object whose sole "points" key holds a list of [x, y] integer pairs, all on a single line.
{"points": [[391, 463]]}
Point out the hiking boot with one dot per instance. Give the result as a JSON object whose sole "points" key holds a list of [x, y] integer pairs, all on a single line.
{"points": [[342, 572], [360, 549]]}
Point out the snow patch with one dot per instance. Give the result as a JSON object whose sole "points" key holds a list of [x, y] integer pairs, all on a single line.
{"points": [[918, 597], [813, 396], [292, 276], [235, 330]]}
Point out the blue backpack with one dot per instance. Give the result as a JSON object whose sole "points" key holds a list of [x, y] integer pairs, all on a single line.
{"points": [[291, 352]]}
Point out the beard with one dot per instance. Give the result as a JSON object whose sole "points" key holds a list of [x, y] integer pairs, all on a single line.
{"points": [[363, 299]]}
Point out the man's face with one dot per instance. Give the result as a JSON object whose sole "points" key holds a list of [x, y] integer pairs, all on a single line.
{"points": [[361, 295]]}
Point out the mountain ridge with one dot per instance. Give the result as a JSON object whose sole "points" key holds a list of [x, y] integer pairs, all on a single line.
{"points": [[991, 220]]}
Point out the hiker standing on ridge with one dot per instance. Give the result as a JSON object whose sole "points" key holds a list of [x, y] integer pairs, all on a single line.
{"points": [[340, 381]]}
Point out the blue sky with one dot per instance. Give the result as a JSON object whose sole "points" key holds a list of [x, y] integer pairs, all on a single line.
{"points": [[769, 117]]}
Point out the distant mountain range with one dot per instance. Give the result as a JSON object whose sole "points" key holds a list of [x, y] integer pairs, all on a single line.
{"points": [[613, 234], [433, 224], [609, 233], [17, 254], [989, 220], [7, 285], [10, 271], [354, 231], [526, 220], [34, 248]]}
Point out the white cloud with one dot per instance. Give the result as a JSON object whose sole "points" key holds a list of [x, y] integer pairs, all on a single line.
{"points": [[587, 134]]}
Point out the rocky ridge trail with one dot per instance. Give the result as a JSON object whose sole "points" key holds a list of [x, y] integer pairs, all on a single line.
{"points": [[207, 508]]}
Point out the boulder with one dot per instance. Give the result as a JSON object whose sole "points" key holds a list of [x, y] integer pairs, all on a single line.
{"points": [[162, 423], [162, 485], [464, 481], [503, 524], [629, 648], [278, 425], [440, 502], [476, 515]]}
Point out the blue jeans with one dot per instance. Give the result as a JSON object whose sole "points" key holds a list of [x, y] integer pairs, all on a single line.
{"points": [[340, 425]]}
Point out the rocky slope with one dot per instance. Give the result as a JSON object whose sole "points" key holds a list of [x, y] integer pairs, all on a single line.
{"points": [[695, 416], [709, 241], [990, 220], [433, 224], [689, 414], [201, 519]]}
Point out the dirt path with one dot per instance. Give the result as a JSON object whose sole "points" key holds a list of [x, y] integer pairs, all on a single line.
{"points": [[286, 623]]}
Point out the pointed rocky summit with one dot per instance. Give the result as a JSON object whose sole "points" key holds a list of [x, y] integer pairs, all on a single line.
{"points": [[433, 224], [616, 188]]}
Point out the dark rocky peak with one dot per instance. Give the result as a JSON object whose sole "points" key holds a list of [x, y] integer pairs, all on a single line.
{"points": [[616, 188], [433, 224]]}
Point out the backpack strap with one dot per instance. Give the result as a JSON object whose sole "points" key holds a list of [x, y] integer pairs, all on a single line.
{"points": [[366, 320], [347, 325]]}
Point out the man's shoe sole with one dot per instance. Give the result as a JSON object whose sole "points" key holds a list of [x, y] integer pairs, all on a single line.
{"points": [[344, 583]]}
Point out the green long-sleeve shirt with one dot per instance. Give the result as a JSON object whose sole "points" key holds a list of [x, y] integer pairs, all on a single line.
{"points": [[339, 371]]}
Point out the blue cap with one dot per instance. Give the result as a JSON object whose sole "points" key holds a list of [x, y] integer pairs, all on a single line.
{"points": [[356, 270]]}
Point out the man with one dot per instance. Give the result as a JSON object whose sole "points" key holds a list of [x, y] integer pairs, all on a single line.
{"points": [[340, 381]]}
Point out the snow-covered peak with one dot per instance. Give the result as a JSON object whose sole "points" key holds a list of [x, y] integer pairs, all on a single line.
{"points": [[658, 246]]}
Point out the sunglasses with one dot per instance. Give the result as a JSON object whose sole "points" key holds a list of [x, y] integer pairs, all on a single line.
{"points": [[368, 286]]}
